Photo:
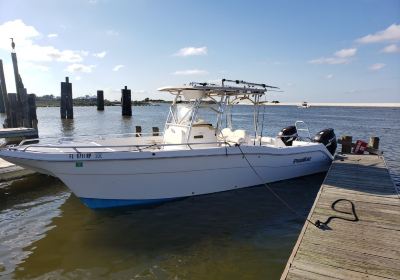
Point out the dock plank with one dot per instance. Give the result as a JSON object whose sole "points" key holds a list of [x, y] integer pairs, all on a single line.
{"points": [[366, 249], [9, 171]]}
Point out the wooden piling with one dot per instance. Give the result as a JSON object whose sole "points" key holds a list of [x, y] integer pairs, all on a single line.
{"points": [[100, 100], [21, 94], [3, 90], [138, 131], [156, 131], [126, 102], [66, 102], [32, 111], [15, 115], [346, 144], [374, 143], [20, 111]]}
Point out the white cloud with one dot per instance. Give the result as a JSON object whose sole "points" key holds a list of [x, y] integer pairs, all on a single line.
{"points": [[190, 72], [376, 66], [26, 66], [391, 49], [18, 30], [80, 68], [340, 57], [52, 35], [191, 51], [111, 32], [138, 91], [118, 67], [390, 34], [78, 78], [100, 54], [329, 60], [24, 36], [68, 55], [329, 76], [344, 53]]}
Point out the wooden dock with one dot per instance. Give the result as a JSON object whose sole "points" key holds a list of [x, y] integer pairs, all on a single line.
{"points": [[18, 132], [365, 249], [9, 171]]}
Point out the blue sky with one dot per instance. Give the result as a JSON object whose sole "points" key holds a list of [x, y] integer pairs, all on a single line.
{"points": [[319, 51]]}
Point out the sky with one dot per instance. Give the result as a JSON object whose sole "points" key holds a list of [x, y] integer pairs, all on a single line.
{"points": [[318, 51]]}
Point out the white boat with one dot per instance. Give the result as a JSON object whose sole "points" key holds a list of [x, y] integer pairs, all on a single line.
{"points": [[304, 105], [193, 156]]}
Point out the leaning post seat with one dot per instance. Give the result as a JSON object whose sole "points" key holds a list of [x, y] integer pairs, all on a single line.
{"points": [[237, 136]]}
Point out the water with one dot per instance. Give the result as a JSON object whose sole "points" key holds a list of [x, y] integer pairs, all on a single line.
{"points": [[46, 233]]}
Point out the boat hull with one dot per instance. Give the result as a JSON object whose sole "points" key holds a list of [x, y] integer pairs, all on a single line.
{"points": [[112, 180]]}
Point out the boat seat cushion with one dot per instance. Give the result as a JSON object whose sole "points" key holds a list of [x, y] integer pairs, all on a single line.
{"points": [[237, 136]]}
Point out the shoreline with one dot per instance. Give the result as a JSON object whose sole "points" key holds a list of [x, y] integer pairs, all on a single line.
{"points": [[321, 104]]}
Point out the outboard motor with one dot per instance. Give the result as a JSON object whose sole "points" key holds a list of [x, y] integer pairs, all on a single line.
{"points": [[288, 135], [328, 138]]}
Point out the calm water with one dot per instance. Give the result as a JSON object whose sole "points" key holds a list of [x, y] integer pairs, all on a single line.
{"points": [[46, 233]]}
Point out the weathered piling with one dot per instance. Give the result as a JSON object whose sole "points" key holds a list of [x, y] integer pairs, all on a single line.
{"points": [[346, 144], [66, 105], [126, 102], [15, 113], [156, 131], [32, 110], [3, 90], [21, 94], [374, 142], [138, 131], [19, 107], [100, 100]]}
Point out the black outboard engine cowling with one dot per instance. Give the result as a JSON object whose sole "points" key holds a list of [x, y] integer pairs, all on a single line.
{"points": [[288, 135], [328, 138]]}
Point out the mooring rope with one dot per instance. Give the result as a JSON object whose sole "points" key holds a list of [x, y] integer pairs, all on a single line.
{"points": [[324, 225], [318, 223], [271, 190]]}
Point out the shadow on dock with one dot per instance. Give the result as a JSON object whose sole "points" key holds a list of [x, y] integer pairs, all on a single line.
{"points": [[371, 177]]}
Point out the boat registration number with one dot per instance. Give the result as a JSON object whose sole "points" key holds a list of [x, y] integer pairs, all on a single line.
{"points": [[86, 156]]}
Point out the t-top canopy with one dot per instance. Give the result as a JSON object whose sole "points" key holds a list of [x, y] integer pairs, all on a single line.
{"points": [[197, 90]]}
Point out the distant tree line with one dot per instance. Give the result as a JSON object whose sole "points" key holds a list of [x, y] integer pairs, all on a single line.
{"points": [[54, 101]]}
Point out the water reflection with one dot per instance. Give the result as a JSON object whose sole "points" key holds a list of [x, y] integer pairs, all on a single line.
{"points": [[67, 127], [127, 125], [27, 208], [217, 235]]}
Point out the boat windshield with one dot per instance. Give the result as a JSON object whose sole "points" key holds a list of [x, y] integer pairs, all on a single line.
{"points": [[208, 106], [182, 114]]}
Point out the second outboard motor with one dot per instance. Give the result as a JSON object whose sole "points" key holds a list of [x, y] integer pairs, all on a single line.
{"points": [[328, 138], [288, 135]]}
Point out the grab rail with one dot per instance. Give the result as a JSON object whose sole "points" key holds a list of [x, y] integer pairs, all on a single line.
{"points": [[138, 148], [305, 128], [94, 137]]}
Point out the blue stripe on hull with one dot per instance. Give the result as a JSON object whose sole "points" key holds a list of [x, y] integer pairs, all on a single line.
{"points": [[96, 203]]}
